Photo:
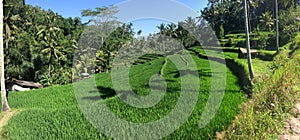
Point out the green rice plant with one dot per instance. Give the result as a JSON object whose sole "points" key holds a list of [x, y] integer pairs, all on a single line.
{"points": [[53, 112]]}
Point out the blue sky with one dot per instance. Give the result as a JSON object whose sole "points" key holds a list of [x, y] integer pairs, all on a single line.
{"points": [[72, 8]]}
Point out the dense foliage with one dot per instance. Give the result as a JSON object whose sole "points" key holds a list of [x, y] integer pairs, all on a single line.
{"points": [[103, 36], [39, 44], [228, 15], [42, 46]]}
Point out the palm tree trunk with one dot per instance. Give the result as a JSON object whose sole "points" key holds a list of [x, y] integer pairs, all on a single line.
{"points": [[248, 40], [248, 9], [49, 69], [277, 26], [5, 105]]}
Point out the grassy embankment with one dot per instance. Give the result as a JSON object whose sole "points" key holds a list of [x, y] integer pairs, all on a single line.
{"points": [[275, 95], [53, 112]]}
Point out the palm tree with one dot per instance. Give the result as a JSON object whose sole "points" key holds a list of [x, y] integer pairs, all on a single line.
{"points": [[285, 2], [172, 30], [277, 26], [190, 24], [5, 106], [48, 36], [248, 40], [162, 31], [266, 20]]}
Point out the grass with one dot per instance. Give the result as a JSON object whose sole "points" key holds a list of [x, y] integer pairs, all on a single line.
{"points": [[260, 67], [50, 113], [261, 64], [238, 39], [274, 98], [53, 113]]}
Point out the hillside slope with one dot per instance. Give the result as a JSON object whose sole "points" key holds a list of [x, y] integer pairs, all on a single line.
{"points": [[275, 95], [54, 113]]}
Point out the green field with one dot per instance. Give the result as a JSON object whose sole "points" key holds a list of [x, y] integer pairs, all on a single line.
{"points": [[54, 113], [213, 74], [261, 63]]}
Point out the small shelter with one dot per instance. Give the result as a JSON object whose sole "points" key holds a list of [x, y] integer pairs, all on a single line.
{"points": [[21, 85], [243, 53]]}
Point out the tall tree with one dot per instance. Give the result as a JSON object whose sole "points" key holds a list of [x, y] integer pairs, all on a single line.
{"points": [[266, 21], [286, 3], [277, 21], [5, 106], [103, 18], [49, 35], [248, 40], [162, 33], [277, 26]]}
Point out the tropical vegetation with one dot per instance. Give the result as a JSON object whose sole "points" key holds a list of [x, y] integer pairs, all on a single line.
{"points": [[42, 46]]}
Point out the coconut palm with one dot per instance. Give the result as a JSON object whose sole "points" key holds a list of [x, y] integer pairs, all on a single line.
{"points": [[285, 2], [5, 106], [48, 36], [266, 20], [247, 39]]}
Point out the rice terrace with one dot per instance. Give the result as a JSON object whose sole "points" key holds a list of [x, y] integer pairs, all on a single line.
{"points": [[144, 69]]}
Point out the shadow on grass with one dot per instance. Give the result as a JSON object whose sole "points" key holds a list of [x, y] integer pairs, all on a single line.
{"points": [[265, 56], [160, 80], [104, 93], [260, 55], [196, 73], [237, 69], [219, 60], [220, 49], [107, 92]]}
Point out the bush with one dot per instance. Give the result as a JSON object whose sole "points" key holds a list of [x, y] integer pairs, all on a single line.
{"points": [[263, 116], [228, 43], [240, 43], [261, 39]]}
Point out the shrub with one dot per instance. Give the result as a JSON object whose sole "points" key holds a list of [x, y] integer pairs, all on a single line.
{"points": [[263, 116]]}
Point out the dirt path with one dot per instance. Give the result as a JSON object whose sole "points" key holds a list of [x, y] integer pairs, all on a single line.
{"points": [[292, 127], [4, 120], [6, 116]]}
